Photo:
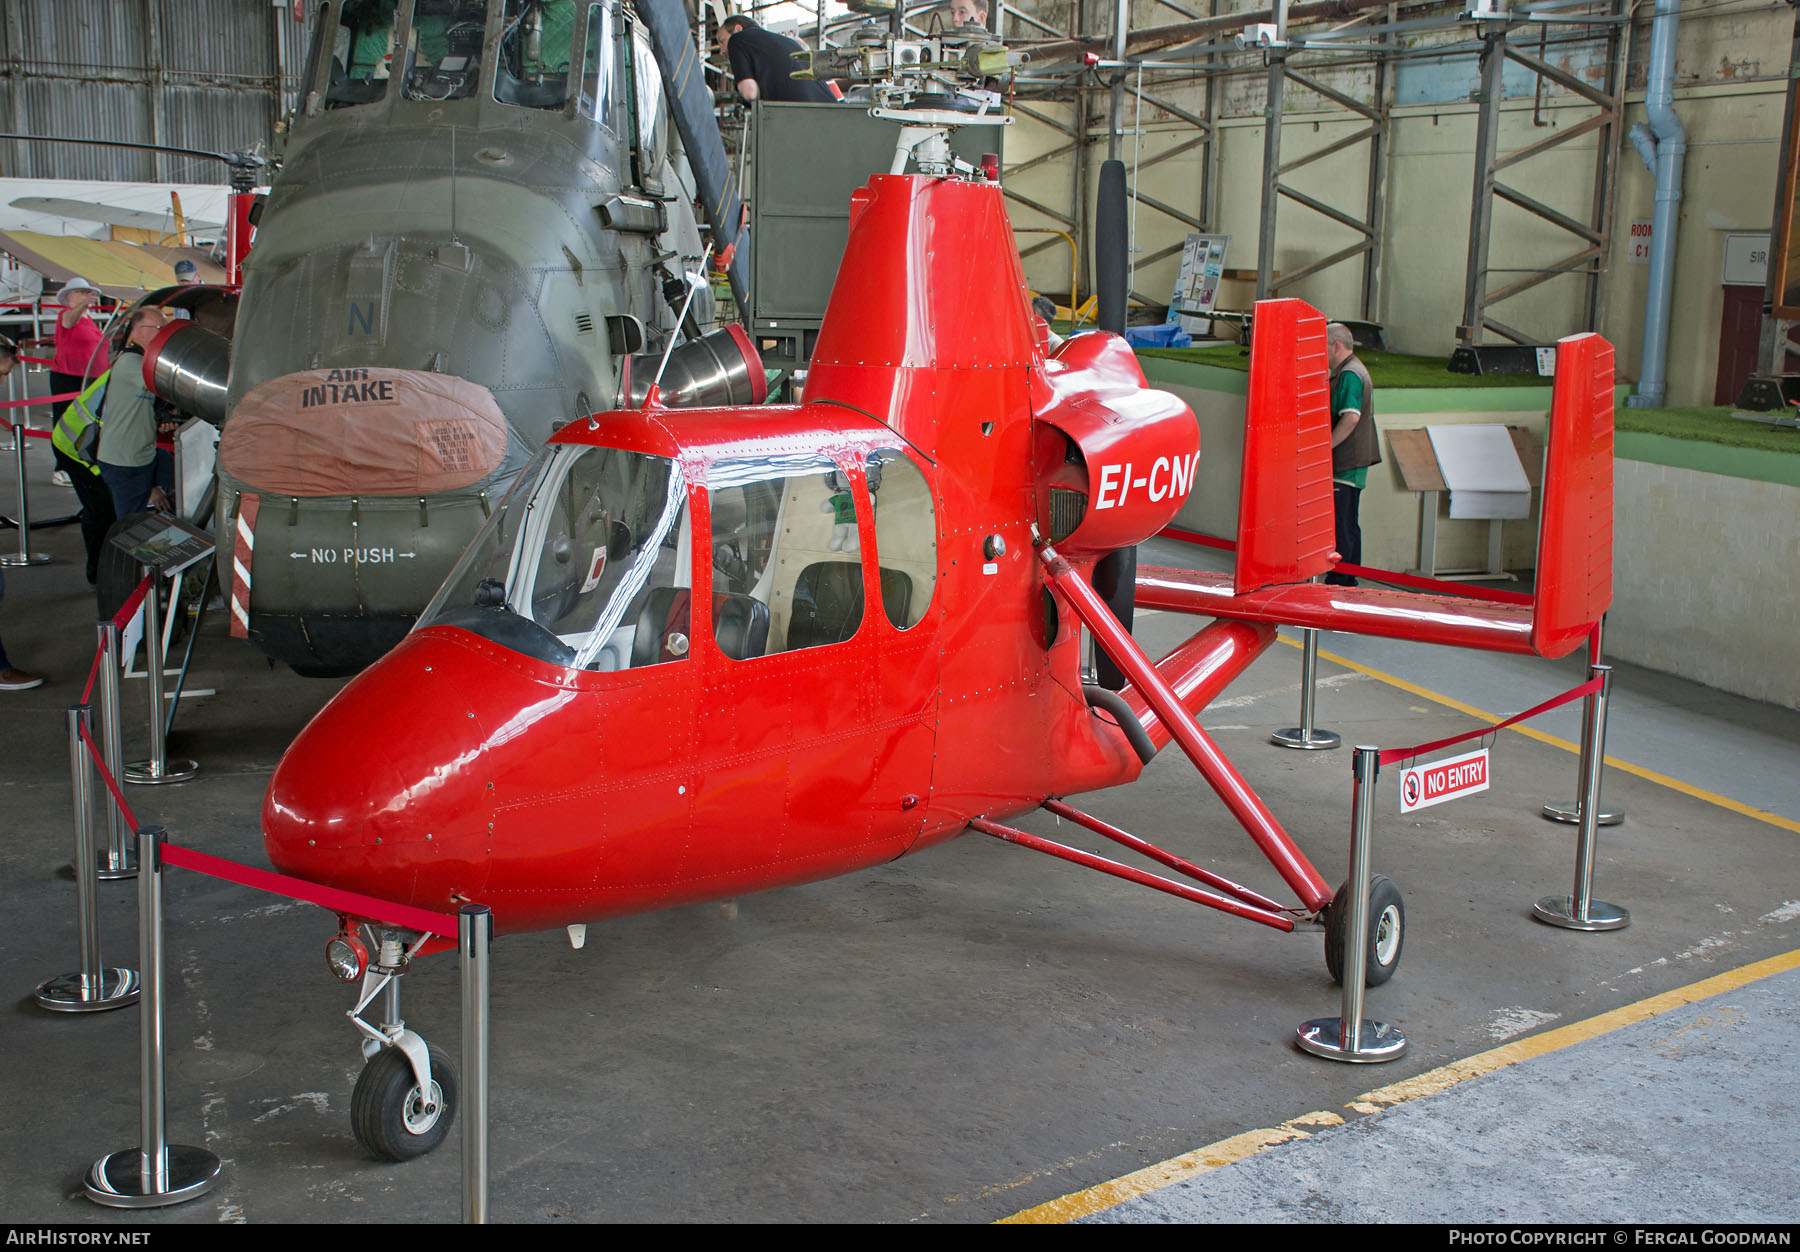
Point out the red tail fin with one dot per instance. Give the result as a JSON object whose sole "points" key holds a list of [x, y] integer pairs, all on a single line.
{"points": [[1285, 524], [1574, 562]]}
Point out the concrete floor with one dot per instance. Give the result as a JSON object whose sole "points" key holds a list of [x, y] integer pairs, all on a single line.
{"points": [[955, 1037]]}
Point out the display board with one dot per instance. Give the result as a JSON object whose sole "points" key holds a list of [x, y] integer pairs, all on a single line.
{"points": [[1197, 283], [163, 544]]}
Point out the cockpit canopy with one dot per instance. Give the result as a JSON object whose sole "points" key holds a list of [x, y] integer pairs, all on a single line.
{"points": [[533, 54], [591, 561]]}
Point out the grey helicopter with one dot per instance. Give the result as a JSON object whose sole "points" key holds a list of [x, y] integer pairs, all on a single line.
{"points": [[483, 226]]}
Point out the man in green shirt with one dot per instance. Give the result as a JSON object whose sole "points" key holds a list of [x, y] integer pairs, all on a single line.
{"points": [[1354, 445]]}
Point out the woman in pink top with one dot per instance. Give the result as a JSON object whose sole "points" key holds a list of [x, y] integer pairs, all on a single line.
{"points": [[79, 355]]}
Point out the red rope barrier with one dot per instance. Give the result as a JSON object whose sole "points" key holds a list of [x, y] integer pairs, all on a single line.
{"points": [[299, 889], [130, 607], [1392, 755], [112, 784], [119, 619], [332, 898], [1420, 582], [93, 673], [38, 401], [1393, 577], [1191, 536]]}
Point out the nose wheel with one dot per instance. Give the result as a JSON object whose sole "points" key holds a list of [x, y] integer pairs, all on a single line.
{"points": [[392, 1116], [1387, 931]]}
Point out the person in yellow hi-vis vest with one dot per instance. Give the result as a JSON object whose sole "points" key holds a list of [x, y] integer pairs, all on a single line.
{"points": [[74, 440]]}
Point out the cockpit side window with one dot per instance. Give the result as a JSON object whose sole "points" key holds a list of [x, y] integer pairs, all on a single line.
{"points": [[443, 53], [535, 38], [362, 52], [600, 66], [585, 565], [905, 535], [650, 139], [787, 561]]}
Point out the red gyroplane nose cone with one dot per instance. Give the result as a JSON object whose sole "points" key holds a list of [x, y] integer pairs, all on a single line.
{"points": [[381, 793]]}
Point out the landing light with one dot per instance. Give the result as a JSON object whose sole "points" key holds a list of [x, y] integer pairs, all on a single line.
{"points": [[346, 958]]}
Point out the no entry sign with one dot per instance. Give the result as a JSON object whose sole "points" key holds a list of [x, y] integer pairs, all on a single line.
{"points": [[1424, 785]]}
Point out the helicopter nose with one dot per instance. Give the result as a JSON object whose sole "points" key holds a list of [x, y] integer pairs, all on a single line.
{"points": [[380, 793]]}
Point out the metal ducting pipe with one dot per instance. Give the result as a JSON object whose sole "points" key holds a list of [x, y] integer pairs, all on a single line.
{"points": [[189, 366], [721, 368], [1670, 148]]}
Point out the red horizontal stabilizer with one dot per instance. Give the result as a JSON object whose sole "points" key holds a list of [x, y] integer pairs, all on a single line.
{"points": [[1286, 531], [1455, 621], [1575, 542]]}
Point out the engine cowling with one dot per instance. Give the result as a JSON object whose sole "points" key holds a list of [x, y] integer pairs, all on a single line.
{"points": [[1113, 458], [717, 369], [189, 366]]}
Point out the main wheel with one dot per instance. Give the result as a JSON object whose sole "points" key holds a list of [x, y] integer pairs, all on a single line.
{"points": [[1387, 931], [388, 1114]]}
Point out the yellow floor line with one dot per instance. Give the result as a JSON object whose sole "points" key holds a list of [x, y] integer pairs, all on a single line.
{"points": [[1238, 1147], [1663, 780]]}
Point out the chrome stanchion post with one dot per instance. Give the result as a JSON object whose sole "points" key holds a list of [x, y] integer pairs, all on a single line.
{"points": [[1579, 910], [158, 769], [1571, 813], [475, 931], [1303, 735], [119, 858], [23, 556], [94, 988], [1349, 1037], [156, 1172]]}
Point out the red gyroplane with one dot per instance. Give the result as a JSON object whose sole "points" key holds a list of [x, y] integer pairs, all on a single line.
{"points": [[891, 581]]}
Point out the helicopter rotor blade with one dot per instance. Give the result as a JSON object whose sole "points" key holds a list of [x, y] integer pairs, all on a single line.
{"points": [[1110, 261], [240, 160]]}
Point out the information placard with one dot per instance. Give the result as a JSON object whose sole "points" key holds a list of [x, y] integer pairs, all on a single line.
{"points": [[1422, 786]]}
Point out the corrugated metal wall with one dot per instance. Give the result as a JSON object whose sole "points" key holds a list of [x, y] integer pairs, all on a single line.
{"points": [[210, 74]]}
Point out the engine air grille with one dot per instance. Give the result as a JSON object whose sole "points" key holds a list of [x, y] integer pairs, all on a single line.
{"points": [[1067, 508]]}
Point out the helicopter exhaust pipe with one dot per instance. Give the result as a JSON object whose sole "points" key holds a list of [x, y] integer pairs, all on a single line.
{"points": [[721, 368], [188, 366]]}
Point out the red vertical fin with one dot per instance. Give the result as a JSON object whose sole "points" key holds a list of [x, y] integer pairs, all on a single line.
{"points": [[1575, 541], [1286, 529]]}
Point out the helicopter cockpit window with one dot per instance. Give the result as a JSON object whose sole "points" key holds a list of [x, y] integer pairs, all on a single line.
{"points": [[599, 72], [787, 563], [535, 36], [443, 54], [652, 110], [905, 535], [584, 565], [362, 53]]}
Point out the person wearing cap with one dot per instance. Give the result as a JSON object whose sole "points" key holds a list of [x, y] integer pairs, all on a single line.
{"points": [[186, 272], [80, 354], [80, 358]]}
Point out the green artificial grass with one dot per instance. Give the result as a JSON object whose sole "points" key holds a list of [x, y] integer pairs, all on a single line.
{"points": [[1708, 425], [1386, 369]]}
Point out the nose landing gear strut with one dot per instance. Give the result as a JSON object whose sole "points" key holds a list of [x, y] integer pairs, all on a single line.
{"points": [[405, 1098]]}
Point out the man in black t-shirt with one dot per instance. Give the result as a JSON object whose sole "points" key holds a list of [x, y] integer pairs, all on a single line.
{"points": [[761, 63]]}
